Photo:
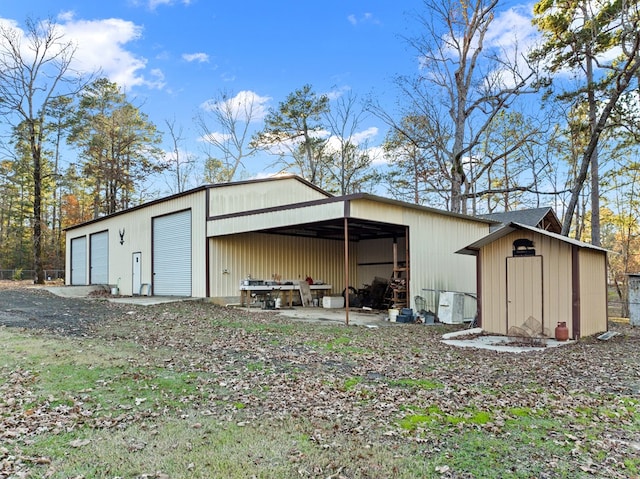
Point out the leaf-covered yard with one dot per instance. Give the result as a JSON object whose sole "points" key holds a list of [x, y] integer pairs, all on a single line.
{"points": [[193, 390]]}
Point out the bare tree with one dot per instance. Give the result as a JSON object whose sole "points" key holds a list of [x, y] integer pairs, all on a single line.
{"points": [[349, 159], [225, 125], [181, 165], [35, 69], [464, 84]]}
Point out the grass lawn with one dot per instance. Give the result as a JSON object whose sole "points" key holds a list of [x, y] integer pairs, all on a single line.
{"points": [[191, 390]]}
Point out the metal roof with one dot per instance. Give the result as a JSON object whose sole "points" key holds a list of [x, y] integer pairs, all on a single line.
{"points": [[473, 248]]}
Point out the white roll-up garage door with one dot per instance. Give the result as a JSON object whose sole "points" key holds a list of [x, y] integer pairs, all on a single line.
{"points": [[79, 261], [99, 258], [172, 254]]}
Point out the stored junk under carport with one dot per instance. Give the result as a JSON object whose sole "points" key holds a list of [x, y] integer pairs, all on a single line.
{"points": [[206, 241], [529, 276]]}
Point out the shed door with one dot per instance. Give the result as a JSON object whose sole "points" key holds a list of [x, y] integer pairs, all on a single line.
{"points": [[524, 290], [99, 258], [172, 254], [79, 261]]}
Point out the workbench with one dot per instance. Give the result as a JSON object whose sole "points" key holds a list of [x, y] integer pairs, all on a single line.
{"points": [[274, 290]]}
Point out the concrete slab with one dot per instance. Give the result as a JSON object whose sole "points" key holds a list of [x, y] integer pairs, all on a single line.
{"points": [[337, 316], [503, 343], [77, 291], [148, 300], [103, 292]]}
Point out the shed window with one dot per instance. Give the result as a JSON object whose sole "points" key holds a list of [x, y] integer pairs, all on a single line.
{"points": [[523, 247]]}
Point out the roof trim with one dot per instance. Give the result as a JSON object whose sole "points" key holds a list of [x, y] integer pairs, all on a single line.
{"points": [[199, 189], [474, 248], [347, 199]]}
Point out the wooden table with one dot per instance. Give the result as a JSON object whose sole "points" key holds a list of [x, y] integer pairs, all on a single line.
{"points": [[274, 289]]}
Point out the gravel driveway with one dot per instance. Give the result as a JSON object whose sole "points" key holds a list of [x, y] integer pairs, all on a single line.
{"points": [[35, 308]]}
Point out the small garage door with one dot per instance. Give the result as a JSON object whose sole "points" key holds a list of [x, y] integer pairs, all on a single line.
{"points": [[79, 261], [99, 258], [172, 254]]}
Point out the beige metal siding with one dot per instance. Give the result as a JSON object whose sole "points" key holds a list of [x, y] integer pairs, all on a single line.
{"points": [[433, 241], [252, 196], [375, 260], [262, 256], [274, 219], [137, 238], [556, 273], [593, 292]]}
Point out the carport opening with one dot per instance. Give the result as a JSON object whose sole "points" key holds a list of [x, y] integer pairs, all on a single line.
{"points": [[381, 260]]}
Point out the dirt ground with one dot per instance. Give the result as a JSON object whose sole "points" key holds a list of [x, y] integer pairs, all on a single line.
{"points": [[24, 305]]}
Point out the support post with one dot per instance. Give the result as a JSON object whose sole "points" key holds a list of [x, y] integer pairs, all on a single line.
{"points": [[346, 271]]}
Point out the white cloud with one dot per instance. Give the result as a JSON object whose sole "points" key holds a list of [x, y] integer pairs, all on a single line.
{"points": [[337, 92], [215, 137], [245, 104], [195, 57], [378, 156], [153, 4], [365, 135], [366, 17], [510, 27], [101, 46]]}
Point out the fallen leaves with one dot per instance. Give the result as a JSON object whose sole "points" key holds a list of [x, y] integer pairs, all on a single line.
{"points": [[243, 368]]}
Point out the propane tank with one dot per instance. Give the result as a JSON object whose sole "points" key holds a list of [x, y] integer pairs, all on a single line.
{"points": [[562, 332]]}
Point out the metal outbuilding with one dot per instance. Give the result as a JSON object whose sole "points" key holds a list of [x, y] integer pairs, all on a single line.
{"points": [[206, 241], [526, 275]]}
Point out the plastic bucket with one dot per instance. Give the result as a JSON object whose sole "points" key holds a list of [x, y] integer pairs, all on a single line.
{"points": [[393, 314]]}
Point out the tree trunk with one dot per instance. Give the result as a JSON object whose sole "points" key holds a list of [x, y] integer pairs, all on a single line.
{"points": [[620, 86], [595, 170], [38, 273]]}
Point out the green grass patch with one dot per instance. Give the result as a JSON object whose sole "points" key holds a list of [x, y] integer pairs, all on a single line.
{"points": [[351, 383], [434, 416], [340, 344]]}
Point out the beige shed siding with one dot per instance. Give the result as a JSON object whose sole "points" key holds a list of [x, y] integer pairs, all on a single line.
{"points": [[557, 282], [494, 291], [556, 273], [593, 292], [273, 219], [251, 196], [137, 238], [235, 257]]}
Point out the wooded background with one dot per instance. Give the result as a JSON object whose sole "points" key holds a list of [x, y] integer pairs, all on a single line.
{"points": [[475, 130]]}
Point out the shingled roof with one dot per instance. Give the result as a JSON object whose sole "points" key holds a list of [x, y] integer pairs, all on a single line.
{"points": [[542, 218]]}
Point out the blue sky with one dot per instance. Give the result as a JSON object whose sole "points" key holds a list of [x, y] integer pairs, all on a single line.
{"points": [[174, 55]]}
